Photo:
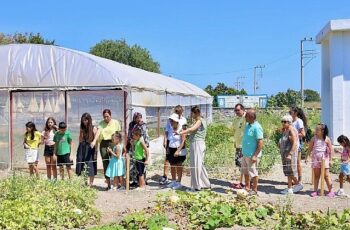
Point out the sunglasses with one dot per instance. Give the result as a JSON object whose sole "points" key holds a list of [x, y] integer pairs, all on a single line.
{"points": [[285, 122]]}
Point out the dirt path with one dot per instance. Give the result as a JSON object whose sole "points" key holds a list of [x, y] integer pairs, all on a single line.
{"points": [[114, 204]]}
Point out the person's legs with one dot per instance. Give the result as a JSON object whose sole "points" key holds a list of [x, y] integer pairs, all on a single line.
{"points": [[247, 181], [173, 171], [69, 171], [53, 163], [317, 174], [62, 172], [328, 180], [48, 167], [255, 183], [299, 166], [341, 180], [36, 170], [105, 160], [31, 169], [179, 172]]}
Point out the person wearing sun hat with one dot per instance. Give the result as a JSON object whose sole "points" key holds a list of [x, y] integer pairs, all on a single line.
{"points": [[176, 149], [178, 110]]}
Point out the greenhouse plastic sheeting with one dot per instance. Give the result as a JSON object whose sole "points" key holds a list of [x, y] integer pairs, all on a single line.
{"points": [[34, 66]]}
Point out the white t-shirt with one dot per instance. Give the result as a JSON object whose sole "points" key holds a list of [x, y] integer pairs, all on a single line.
{"points": [[298, 124], [169, 128], [48, 137], [175, 140]]}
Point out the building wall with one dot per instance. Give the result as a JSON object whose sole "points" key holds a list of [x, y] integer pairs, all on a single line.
{"points": [[336, 83]]}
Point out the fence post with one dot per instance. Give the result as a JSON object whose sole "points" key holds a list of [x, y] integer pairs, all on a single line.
{"points": [[127, 173], [322, 177]]}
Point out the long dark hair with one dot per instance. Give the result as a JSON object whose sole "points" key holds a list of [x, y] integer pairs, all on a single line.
{"points": [[300, 114], [88, 130], [47, 124], [344, 139], [325, 130], [31, 125]]}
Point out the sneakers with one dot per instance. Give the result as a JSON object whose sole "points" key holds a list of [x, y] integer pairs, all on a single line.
{"points": [[341, 192], [163, 180], [287, 191], [121, 188], [298, 188], [172, 184], [178, 185]]}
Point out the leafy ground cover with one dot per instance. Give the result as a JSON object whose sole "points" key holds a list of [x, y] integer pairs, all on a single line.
{"points": [[209, 210], [30, 203]]}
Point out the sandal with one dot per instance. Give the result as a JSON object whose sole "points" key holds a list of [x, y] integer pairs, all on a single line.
{"points": [[237, 185]]}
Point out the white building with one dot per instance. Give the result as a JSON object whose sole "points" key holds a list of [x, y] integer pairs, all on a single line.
{"points": [[248, 101], [335, 87]]}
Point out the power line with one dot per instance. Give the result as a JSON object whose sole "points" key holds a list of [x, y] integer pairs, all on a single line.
{"points": [[234, 71]]}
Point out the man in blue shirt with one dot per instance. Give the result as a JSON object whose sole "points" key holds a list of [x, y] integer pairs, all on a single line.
{"points": [[252, 144]]}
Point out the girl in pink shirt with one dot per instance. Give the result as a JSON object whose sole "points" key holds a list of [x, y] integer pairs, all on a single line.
{"points": [[321, 149]]}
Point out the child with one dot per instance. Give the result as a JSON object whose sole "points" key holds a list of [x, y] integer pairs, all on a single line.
{"points": [[177, 152], [47, 139], [345, 167], [63, 148], [32, 139], [116, 167], [321, 149], [141, 156]]}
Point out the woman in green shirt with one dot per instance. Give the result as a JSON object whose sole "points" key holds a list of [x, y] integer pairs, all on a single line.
{"points": [[106, 128], [199, 175]]}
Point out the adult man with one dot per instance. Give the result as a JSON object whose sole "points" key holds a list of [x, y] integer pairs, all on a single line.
{"points": [[252, 144], [238, 126]]}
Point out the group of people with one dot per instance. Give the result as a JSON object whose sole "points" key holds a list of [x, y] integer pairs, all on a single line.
{"points": [[58, 144], [248, 138]]}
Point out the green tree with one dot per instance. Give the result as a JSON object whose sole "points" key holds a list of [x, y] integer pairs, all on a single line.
{"points": [[120, 51], [311, 95], [21, 38], [222, 89], [282, 99]]}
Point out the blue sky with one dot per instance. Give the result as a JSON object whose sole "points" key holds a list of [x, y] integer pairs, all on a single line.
{"points": [[203, 42]]}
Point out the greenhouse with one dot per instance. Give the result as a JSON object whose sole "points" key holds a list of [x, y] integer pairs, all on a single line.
{"points": [[38, 81]]}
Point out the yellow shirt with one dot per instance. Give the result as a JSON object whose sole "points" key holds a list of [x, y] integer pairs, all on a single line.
{"points": [[238, 126], [33, 144], [107, 130]]}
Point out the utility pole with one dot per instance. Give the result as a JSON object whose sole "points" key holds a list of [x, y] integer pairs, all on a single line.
{"points": [[307, 55], [239, 83], [255, 81]]}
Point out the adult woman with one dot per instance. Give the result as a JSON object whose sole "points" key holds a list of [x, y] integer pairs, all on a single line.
{"points": [[289, 154], [176, 146], [299, 123], [47, 139], [199, 175], [106, 128], [86, 153]]}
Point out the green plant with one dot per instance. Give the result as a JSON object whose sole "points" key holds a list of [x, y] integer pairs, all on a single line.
{"points": [[335, 166], [30, 203]]}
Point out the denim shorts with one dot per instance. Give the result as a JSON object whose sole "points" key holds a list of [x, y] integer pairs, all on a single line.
{"points": [[345, 169]]}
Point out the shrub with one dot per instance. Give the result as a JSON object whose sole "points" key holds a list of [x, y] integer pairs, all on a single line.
{"points": [[30, 203]]}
